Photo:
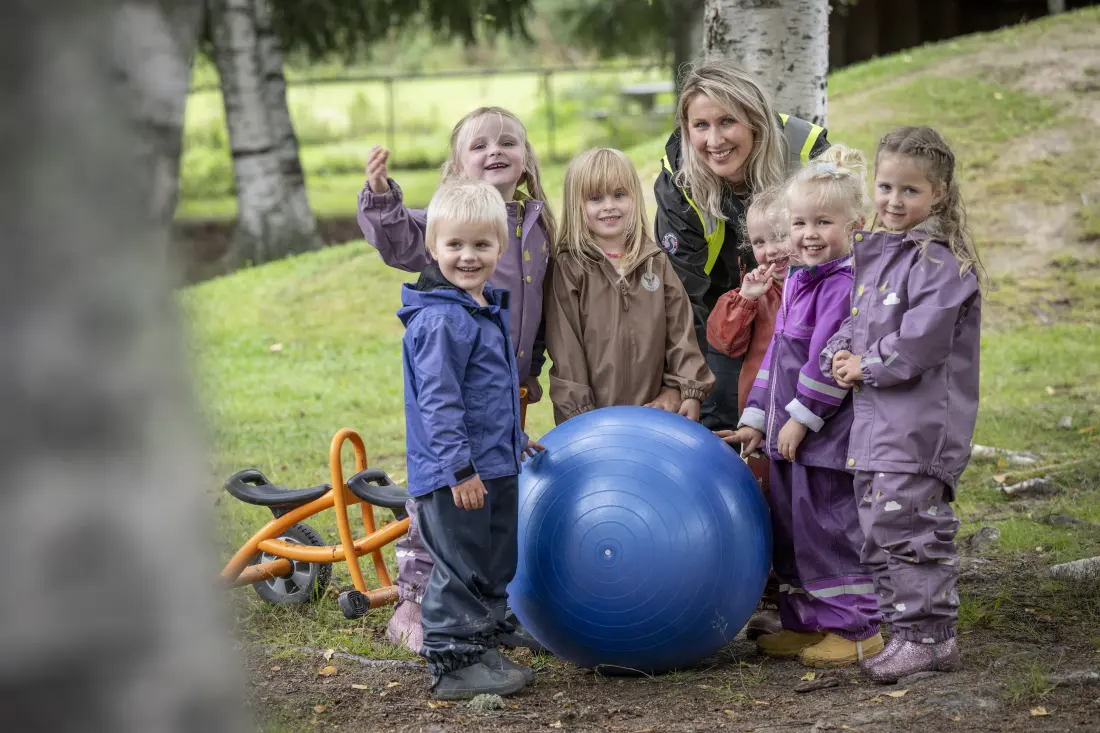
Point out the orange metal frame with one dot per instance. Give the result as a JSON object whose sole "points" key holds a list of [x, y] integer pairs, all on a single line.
{"points": [[238, 572]]}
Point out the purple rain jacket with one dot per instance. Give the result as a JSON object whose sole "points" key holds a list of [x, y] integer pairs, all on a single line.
{"points": [[398, 235], [790, 382], [917, 325], [461, 391]]}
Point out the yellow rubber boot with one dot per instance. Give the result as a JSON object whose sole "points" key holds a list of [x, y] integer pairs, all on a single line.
{"points": [[836, 651], [787, 643]]}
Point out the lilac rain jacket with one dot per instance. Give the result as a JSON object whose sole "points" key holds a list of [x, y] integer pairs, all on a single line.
{"points": [[917, 325]]}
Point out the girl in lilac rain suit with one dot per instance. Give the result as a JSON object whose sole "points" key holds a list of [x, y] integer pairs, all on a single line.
{"points": [[909, 351], [826, 600], [488, 144]]}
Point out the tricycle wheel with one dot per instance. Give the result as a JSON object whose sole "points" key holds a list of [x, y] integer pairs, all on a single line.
{"points": [[306, 581]]}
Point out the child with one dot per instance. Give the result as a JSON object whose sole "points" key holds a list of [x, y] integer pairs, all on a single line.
{"points": [[464, 441], [910, 352], [742, 322], [741, 325], [488, 144], [618, 323], [827, 604]]}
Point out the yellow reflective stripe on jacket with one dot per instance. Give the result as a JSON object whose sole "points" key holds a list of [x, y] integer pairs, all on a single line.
{"points": [[806, 145], [715, 238]]}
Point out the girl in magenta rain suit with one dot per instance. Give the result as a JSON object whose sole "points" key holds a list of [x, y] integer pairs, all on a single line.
{"points": [[826, 600]]}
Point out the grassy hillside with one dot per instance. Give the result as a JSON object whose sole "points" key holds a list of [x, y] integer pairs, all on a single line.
{"points": [[287, 353]]}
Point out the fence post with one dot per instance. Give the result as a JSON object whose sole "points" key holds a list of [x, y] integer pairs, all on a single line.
{"points": [[548, 95], [390, 124]]}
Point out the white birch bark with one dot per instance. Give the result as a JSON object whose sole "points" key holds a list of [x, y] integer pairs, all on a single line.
{"points": [[784, 43], [269, 225], [109, 619], [152, 61]]}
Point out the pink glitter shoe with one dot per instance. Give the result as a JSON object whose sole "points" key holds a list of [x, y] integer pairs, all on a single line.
{"points": [[911, 657], [887, 651], [404, 628]]}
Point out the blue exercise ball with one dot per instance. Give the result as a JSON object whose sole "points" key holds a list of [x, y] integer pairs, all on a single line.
{"points": [[644, 542]]}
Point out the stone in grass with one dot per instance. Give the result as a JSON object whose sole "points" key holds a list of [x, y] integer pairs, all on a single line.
{"points": [[1066, 422], [985, 537], [487, 703]]}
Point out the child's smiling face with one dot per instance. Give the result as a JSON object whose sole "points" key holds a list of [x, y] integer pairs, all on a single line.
{"points": [[769, 246], [819, 232], [467, 254], [904, 197]]}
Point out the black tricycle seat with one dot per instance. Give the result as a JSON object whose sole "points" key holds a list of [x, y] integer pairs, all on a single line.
{"points": [[252, 487], [373, 486]]}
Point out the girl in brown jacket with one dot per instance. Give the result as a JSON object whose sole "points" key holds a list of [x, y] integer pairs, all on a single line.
{"points": [[618, 322]]}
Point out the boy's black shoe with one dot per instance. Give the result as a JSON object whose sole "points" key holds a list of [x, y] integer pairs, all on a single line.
{"points": [[477, 679], [494, 660]]}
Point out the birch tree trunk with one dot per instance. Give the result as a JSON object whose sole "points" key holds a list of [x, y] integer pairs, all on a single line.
{"points": [[153, 53], [270, 224], [784, 43], [109, 620]]}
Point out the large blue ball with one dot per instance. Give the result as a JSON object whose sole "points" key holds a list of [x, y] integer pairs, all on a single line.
{"points": [[644, 542]]}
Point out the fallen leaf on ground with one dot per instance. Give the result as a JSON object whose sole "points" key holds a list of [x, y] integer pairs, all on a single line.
{"points": [[1000, 478], [729, 712], [1039, 712], [876, 698], [327, 671], [556, 724], [394, 684], [760, 702], [319, 708], [328, 654], [359, 687], [809, 676], [436, 704], [276, 668], [897, 693], [276, 347]]}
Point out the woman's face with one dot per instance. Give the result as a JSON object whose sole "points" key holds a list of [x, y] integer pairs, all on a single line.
{"points": [[722, 140]]}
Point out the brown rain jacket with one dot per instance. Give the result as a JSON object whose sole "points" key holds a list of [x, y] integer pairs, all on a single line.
{"points": [[616, 340]]}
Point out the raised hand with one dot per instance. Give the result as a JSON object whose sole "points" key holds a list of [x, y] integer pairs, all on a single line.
{"points": [[377, 175], [757, 282]]}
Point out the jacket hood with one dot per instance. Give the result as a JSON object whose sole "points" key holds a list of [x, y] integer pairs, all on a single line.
{"points": [[432, 289]]}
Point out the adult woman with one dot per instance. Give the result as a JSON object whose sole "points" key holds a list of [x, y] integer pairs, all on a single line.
{"points": [[729, 143]]}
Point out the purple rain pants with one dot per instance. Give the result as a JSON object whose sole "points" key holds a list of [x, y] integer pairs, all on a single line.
{"points": [[414, 564], [816, 538], [910, 548]]}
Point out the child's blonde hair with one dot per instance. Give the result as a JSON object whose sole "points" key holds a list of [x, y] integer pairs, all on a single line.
{"points": [[466, 201], [594, 172], [736, 91], [768, 205], [929, 147], [465, 131], [837, 178]]}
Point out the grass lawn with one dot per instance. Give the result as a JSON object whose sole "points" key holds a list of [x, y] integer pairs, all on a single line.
{"points": [[286, 354]]}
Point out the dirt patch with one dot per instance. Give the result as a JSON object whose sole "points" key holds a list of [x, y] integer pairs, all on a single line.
{"points": [[200, 245], [1011, 647]]}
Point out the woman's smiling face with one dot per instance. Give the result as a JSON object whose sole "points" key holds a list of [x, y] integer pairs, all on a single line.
{"points": [[720, 138]]}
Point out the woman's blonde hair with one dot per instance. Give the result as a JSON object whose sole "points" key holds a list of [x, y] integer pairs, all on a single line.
{"points": [[736, 91], [592, 173], [465, 201], [929, 147], [465, 131], [837, 179]]}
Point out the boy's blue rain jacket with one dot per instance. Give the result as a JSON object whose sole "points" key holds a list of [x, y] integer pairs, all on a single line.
{"points": [[461, 388]]}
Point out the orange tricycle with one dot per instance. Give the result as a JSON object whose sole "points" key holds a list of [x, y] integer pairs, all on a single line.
{"points": [[287, 562]]}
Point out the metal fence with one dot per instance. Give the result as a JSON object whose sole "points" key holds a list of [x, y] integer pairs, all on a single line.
{"points": [[637, 97]]}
